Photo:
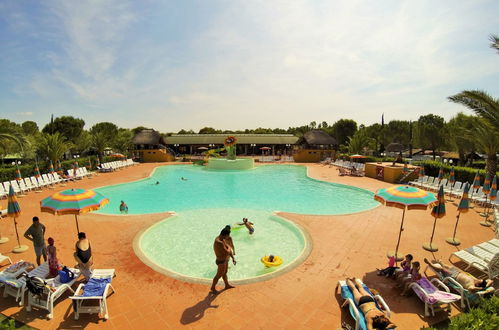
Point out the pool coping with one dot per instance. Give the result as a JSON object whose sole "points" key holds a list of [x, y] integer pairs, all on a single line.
{"points": [[305, 253], [301, 165]]}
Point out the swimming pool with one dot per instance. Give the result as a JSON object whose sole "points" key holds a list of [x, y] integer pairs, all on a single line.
{"points": [[207, 200], [181, 246], [273, 187]]}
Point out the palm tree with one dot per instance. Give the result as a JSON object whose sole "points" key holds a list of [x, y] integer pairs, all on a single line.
{"points": [[481, 103], [486, 131], [487, 140], [54, 146], [99, 143], [7, 135], [494, 42]]}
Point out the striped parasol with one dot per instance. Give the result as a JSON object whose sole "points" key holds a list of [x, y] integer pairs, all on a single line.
{"points": [[492, 195], [486, 184], [476, 184], [18, 174], [421, 171], [60, 171], [73, 201], [14, 211], [437, 212], [51, 168], [89, 167], [440, 175], [405, 170], [405, 197], [493, 189], [37, 172], [463, 207], [452, 181]]}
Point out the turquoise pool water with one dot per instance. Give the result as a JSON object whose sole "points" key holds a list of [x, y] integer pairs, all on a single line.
{"points": [[184, 244], [275, 187]]}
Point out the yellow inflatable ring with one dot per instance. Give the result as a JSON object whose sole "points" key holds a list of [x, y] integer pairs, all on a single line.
{"points": [[277, 261]]}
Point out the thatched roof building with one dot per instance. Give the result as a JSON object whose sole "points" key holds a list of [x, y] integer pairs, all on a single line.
{"points": [[317, 139], [149, 139]]}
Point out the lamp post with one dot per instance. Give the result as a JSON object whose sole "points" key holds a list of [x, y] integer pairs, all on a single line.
{"points": [[253, 148]]}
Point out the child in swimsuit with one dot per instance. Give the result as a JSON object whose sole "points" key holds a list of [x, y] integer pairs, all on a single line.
{"points": [[248, 225]]}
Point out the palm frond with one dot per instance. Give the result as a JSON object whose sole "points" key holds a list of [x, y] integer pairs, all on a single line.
{"points": [[494, 42], [481, 103]]}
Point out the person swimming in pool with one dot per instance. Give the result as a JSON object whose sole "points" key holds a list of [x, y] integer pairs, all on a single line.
{"points": [[183, 179], [123, 207], [224, 250], [248, 225], [157, 182]]}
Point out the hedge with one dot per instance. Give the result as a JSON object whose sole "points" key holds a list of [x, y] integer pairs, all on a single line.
{"points": [[8, 172], [483, 317], [463, 174]]}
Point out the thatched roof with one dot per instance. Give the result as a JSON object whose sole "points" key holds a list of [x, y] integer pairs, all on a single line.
{"points": [[149, 137], [318, 137], [394, 147]]}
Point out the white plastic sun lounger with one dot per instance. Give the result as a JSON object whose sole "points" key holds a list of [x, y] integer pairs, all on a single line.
{"points": [[3, 258], [490, 267], [51, 292], [100, 281], [18, 287]]}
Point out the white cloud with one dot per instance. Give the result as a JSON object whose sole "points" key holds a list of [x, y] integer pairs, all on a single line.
{"points": [[264, 63], [26, 113]]}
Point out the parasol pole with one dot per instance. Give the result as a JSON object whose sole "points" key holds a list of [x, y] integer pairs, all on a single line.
{"points": [[433, 231], [76, 220], [17, 233], [400, 234], [455, 227]]}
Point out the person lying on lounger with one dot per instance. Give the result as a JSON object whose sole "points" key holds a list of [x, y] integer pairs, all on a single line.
{"points": [[375, 319], [468, 281]]}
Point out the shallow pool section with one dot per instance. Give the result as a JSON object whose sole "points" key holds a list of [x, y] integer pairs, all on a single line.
{"points": [[284, 188], [182, 246]]}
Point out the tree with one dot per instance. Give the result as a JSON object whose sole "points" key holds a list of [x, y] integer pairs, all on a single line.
{"points": [[481, 103], [343, 129], [459, 129], [99, 142], [123, 141], [430, 132], [494, 42], [208, 130], [108, 130], [11, 137], [488, 141], [183, 131], [53, 146], [30, 128], [374, 132], [359, 142], [83, 142], [69, 127], [398, 131]]}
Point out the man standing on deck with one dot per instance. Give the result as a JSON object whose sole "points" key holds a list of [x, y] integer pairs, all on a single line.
{"points": [[224, 250], [36, 233]]}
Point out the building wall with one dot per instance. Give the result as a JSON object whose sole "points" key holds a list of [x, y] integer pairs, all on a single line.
{"points": [[312, 155], [154, 155]]}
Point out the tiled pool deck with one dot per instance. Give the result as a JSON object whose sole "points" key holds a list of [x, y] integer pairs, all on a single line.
{"points": [[304, 298]]}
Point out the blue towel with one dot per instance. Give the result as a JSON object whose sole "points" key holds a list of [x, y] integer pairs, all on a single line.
{"points": [[346, 293], [95, 287]]}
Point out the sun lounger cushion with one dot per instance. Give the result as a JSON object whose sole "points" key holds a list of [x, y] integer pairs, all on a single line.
{"points": [[95, 287], [434, 295], [347, 294]]}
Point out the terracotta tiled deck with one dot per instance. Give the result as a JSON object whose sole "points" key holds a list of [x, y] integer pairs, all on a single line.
{"points": [[304, 298]]}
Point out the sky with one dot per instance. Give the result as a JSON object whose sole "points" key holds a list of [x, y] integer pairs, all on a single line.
{"points": [[242, 64]]}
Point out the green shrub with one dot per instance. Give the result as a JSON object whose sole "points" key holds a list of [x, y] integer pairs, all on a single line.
{"points": [[463, 174], [483, 317]]}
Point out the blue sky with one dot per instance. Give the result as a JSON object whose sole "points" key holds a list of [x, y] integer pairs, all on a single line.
{"points": [[242, 64]]}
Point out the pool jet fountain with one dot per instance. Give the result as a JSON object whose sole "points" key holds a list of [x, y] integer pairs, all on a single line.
{"points": [[231, 162]]}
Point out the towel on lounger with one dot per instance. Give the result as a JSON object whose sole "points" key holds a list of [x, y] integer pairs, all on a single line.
{"points": [[95, 287], [434, 295]]}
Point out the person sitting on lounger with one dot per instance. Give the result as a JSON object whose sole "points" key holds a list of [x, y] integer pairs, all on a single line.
{"points": [[375, 319], [414, 276], [468, 281]]}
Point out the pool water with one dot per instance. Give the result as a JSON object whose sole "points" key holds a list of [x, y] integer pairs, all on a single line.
{"points": [[183, 244], [284, 188], [206, 200]]}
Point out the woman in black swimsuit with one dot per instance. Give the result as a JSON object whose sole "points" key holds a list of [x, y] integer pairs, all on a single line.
{"points": [[375, 319], [83, 255]]}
